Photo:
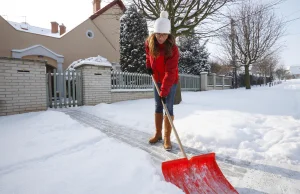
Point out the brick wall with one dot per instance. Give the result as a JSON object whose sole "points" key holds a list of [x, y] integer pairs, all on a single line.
{"points": [[22, 86], [96, 87], [119, 95]]}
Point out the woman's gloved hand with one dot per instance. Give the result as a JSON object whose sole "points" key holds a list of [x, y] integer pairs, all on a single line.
{"points": [[149, 71], [163, 99]]}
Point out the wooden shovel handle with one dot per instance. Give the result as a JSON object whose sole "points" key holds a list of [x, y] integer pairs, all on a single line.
{"points": [[170, 120]]}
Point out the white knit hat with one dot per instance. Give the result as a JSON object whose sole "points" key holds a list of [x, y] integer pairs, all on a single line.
{"points": [[163, 24]]}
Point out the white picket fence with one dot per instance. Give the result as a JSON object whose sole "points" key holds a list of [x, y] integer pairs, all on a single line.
{"points": [[190, 82], [64, 89], [219, 81], [126, 80]]}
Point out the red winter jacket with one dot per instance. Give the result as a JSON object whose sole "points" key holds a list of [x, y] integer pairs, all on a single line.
{"points": [[165, 70]]}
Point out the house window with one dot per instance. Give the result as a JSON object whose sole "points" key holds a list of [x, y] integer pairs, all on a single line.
{"points": [[90, 34]]}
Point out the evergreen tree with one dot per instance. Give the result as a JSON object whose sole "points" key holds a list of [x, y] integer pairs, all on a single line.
{"points": [[193, 55], [133, 33]]}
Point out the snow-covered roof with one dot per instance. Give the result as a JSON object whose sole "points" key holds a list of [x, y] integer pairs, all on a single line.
{"points": [[97, 61], [25, 27]]}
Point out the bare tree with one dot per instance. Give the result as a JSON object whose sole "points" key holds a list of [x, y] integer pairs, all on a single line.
{"points": [[220, 68], [185, 15], [281, 72], [256, 35], [266, 67], [215, 67]]}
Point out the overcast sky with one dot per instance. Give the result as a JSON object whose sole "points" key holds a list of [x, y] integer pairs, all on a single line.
{"points": [[290, 9], [71, 13]]}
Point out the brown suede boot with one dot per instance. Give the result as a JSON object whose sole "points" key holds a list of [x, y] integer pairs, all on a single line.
{"points": [[167, 136], [158, 125]]}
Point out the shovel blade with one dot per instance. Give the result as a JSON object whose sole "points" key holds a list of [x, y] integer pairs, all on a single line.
{"points": [[200, 174]]}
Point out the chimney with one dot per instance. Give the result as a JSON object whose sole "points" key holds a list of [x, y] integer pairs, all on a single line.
{"points": [[96, 5], [54, 27], [62, 29]]}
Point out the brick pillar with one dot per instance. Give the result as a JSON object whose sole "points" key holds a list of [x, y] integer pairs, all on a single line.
{"points": [[22, 86], [96, 84], [203, 76]]}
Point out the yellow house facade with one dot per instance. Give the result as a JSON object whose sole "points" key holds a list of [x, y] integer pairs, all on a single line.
{"points": [[97, 35]]}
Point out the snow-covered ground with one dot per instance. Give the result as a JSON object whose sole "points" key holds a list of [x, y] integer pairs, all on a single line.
{"points": [[261, 124], [49, 152]]}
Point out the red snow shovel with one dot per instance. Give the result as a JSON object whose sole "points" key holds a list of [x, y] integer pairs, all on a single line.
{"points": [[201, 174]]}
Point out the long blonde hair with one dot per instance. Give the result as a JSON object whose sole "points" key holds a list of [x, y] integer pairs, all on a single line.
{"points": [[154, 49]]}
